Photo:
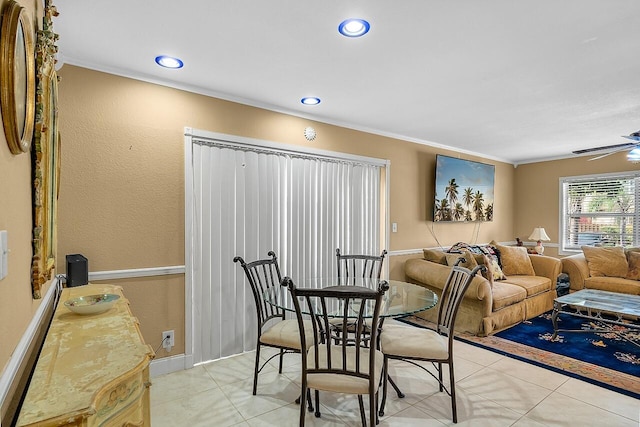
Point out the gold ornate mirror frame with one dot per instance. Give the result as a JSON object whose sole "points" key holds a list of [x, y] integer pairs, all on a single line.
{"points": [[46, 155], [17, 77]]}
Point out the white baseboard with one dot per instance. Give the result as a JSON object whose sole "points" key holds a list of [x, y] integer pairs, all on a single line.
{"points": [[166, 365]]}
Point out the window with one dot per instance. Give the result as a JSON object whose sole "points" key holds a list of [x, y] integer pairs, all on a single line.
{"points": [[600, 210]]}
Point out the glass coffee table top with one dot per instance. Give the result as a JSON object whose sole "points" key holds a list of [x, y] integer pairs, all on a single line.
{"points": [[595, 299], [592, 304]]}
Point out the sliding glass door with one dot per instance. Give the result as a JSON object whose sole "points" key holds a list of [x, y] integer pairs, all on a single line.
{"points": [[250, 197]]}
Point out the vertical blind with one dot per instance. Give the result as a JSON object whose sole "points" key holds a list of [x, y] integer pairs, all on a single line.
{"points": [[600, 211], [248, 201]]}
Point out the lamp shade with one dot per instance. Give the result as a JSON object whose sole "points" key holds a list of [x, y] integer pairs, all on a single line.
{"points": [[538, 233]]}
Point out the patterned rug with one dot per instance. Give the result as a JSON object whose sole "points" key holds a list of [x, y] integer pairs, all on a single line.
{"points": [[608, 359]]}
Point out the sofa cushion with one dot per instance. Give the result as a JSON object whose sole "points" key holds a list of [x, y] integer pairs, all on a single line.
{"points": [[506, 294], [606, 261], [633, 259], [532, 284], [515, 260], [435, 255], [613, 284]]}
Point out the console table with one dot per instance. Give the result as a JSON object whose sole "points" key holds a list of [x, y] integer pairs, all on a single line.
{"points": [[93, 369]]}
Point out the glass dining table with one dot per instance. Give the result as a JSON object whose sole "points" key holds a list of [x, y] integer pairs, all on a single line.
{"points": [[401, 300]]}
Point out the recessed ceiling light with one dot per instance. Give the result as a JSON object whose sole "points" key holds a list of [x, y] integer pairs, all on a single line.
{"points": [[310, 100], [169, 62], [354, 27]]}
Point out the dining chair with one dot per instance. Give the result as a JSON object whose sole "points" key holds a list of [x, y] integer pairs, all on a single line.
{"points": [[332, 363], [409, 343], [356, 266], [274, 330]]}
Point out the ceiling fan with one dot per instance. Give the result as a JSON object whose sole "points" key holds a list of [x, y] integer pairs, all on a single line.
{"points": [[633, 147]]}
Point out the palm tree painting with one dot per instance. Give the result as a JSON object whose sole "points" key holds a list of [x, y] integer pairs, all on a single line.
{"points": [[467, 187]]}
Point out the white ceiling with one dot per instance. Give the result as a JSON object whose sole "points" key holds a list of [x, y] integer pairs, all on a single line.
{"points": [[516, 81]]}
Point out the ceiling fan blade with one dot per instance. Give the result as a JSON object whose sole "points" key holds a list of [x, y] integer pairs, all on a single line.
{"points": [[635, 136], [603, 155], [619, 147], [614, 151]]}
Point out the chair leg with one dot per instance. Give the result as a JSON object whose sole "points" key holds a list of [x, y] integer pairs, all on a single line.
{"points": [[309, 402], [373, 409], [317, 403], [255, 370], [281, 357], [303, 411], [396, 388], [385, 378], [452, 386], [362, 416], [440, 376]]}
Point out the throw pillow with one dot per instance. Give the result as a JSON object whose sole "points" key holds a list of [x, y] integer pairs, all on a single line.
{"points": [[469, 260], [435, 255], [606, 261], [633, 258], [491, 252], [488, 273], [493, 255], [515, 261]]}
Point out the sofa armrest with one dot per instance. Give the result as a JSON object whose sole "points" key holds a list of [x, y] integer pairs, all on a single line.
{"points": [[577, 268], [546, 266], [436, 275]]}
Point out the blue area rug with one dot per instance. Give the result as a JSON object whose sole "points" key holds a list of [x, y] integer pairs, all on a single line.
{"points": [[618, 349], [608, 359]]}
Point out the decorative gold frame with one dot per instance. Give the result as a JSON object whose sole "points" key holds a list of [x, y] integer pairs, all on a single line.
{"points": [[17, 77], [46, 156]]}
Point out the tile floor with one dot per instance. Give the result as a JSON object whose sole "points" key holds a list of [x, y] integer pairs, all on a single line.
{"points": [[493, 390]]}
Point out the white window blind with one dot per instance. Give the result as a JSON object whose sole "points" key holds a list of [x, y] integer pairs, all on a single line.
{"points": [[249, 200], [600, 211]]}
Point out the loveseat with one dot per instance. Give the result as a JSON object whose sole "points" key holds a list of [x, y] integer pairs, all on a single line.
{"points": [[523, 285], [612, 269]]}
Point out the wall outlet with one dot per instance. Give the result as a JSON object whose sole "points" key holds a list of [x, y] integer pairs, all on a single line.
{"points": [[168, 340]]}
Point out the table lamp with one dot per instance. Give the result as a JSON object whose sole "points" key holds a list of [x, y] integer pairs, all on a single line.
{"points": [[539, 235]]}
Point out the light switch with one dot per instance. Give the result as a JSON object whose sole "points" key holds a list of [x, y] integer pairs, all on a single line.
{"points": [[394, 227], [4, 255]]}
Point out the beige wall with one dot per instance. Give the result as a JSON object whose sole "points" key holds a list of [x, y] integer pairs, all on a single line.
{"points": [[537, 198], [17, 306], [122, 184], [122, 190]]}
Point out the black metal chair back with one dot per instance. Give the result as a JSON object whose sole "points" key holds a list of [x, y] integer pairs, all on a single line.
{"points": [[342, 344], [263, 276], [353, 267], [454, 289]]}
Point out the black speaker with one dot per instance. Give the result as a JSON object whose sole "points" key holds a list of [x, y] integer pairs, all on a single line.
{"points": [[77, 270]]}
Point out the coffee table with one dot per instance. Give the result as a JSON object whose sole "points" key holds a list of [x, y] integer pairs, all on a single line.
{"points": [[591, 304]]}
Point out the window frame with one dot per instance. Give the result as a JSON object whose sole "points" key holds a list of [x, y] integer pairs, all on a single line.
{"points": [[563, 248]]}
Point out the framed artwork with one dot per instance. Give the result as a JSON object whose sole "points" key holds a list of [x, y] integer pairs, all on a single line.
{"points": [[463, 190], [17, 77], [46, 157]]}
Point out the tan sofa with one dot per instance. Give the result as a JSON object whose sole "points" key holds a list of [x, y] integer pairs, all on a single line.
{"points": [[581, 277], [488, 308]]}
